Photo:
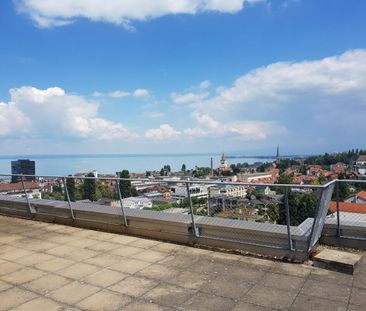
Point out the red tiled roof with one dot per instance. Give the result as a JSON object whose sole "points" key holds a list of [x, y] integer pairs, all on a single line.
{"points": [[362, 195], [18, 186], [348, 207]]}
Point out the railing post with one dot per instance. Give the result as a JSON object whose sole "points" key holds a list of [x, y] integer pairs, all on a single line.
{"points": [[288, 219], [191, 211], [68, 198], [338, 218], [121, 203], [26, 197]]}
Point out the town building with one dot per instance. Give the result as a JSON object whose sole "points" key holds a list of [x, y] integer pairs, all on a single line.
{"points": [[228, 190], [359, 197], [16, 189], [23, 167], [359, 166], [195, 190]]}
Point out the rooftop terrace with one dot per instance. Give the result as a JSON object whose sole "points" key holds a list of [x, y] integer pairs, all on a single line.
{"points": [[45, 266]]}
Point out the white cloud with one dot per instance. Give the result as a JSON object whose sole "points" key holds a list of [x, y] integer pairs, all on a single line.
{"points": [[309, 82], [140, 93], [51, 113], [188, 98], [49, 13], [205, 84], [120, 94], [12, 121], [164, 132], [244, 130]]}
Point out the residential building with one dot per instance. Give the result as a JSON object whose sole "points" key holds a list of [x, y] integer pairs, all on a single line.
{"points": [[32, 189], [359, 197], [228, 190], [137, 202], [360, 166], [195, 190], [24, 167]]}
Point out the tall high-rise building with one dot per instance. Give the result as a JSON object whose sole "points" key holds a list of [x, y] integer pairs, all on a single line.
{"points": [[25, 167]]}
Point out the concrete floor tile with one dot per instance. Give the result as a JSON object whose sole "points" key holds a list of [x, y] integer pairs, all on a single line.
{"points": [[206, 302], [144, 243], [133, 286], [78, 270], [245, 306], [150, 256], [130, 266], [126, 251], [122, 239], [39, 304], [36, 245], [14, 297], [104, 260], [47, 283], [244, 274], [22, 276], [4, 285], [103, 246], [54, 264], [104, 301], [359, 280], [282, 281], [9, 238], [327, 290], [33, 259], [178, 261], [73, 292], [331, 277], [9, 267], [305, 303], [358, 297], [168, 295], [17, 253], [145, 306], [59, 238], [104, 278], [190, 280], [159, 272], [71, 252], [270, 297], [291, 269], [82, 242], [167, 247], [209, 267], [257, 263], [228, 287]]}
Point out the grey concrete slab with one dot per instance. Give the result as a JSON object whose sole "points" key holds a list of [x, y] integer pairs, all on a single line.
{"points": [[337, 260]]}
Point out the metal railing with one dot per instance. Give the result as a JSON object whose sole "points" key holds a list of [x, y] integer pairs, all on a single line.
{"points": [[220, 223], [349, 213]]}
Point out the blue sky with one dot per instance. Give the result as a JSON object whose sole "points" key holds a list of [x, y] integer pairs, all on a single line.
{"points": [[182, 76]]}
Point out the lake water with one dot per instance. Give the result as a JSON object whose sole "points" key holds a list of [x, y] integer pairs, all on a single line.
{"points": [[70, 164]]}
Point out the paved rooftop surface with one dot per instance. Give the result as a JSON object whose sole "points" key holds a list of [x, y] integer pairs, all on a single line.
{"points": [[54, 267]]}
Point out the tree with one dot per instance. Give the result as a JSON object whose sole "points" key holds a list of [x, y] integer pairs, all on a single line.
{"points": [[70, 186], [301, 206], [89, 189], [285, 179], [125, 185], [183, 169]]}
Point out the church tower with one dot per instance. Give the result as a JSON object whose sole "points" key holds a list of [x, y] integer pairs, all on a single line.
{"points": [[223, 162]]}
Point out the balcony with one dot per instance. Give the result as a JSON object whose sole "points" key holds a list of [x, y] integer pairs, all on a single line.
{"points": [[47, 266]]}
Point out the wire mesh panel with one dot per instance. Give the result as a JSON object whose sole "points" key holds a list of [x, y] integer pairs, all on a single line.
{"points": [[347, 210]]}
